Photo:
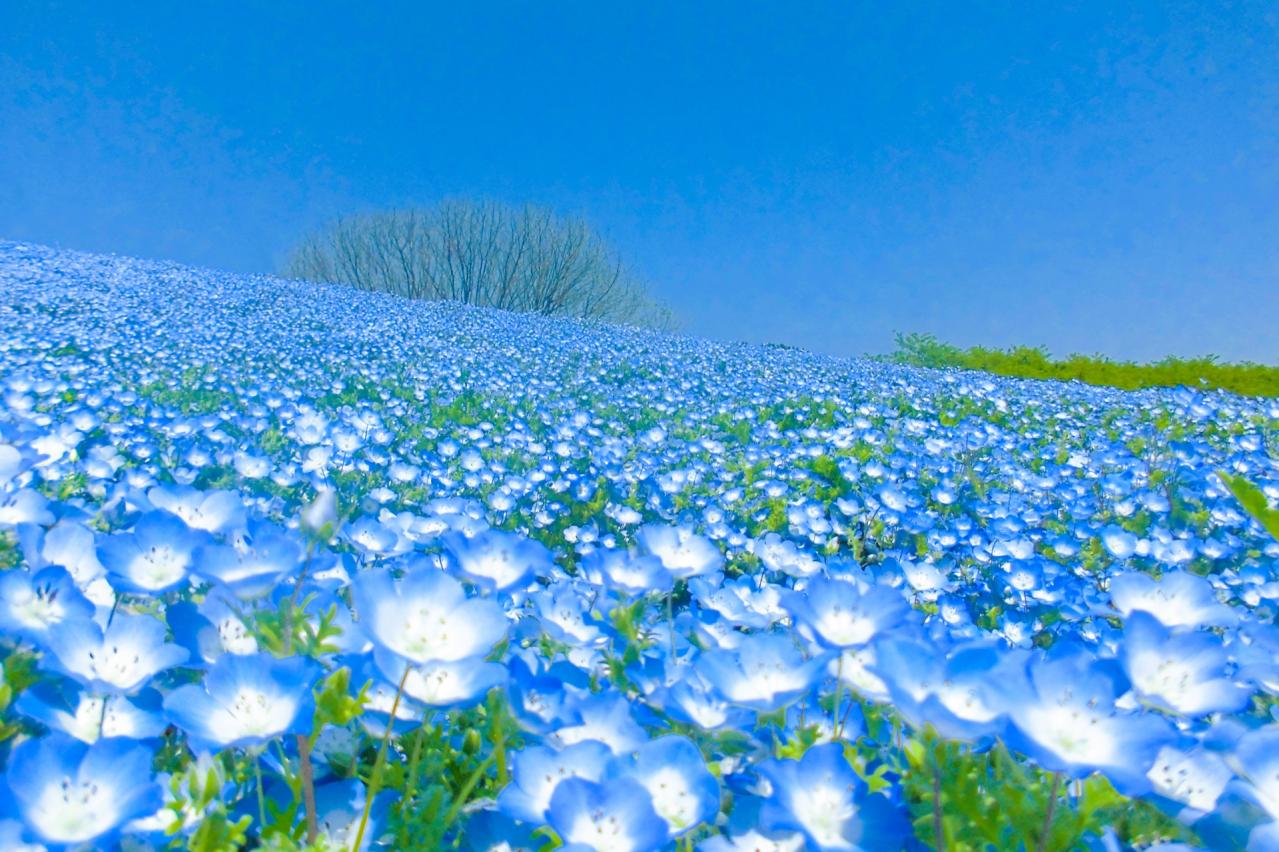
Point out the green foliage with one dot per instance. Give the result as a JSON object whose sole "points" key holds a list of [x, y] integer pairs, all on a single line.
{"points": [[198, 790], [334, 704], [773, 519], [9, 555], [71, 348], [925, 350], [286, 630], [442, 774], [17, 672], [1254, 502], [833, 482], [991, 800]]}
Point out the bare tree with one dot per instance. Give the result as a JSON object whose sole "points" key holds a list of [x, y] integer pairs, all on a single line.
{"points": [[482, 253]]}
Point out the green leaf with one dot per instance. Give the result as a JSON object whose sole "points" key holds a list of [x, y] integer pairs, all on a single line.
{"points": [[1254, 502], [333, 702]]}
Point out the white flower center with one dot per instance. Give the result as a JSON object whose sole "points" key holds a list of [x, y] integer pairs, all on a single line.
{"points": [[41, 609], [496, 565], [846, 626], [160, 566], [965, 702], [434, 686], [118, 665], [824, 810], [853, 669], [427, 634], [88, 720], [765, 679], [73, 811], [672, 798], [1163, 677], [236, 639], [1074, 733], [252, 713], [600, 830]]}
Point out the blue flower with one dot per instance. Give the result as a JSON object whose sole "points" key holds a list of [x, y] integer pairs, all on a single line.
{"points": [[1066, 719], [211, 511], [683, 553], [1177, 599], [451, 684], [564, 613], [491, 830], [209, 629], [539, 691], [153, 558], [856, 668], [1257, 754], [1118, 542], [963, 693], [379, 698], [692, 699], [33, 604], [629, 572], [1195, 780], [498, 560], [537, 771], [67, 544], [320, 516], [508, 499], [123, 658], [605, 717], [14, 836], [763, 673], [254, 564], [61, 706], [245, 701], [371, 537], [426, 617], [1181, 673], [778, 554], [683, 791], [821, 796], [339, 806], [615, 816], [68, 793], [753, 841], [841, 615], [24, 506]]}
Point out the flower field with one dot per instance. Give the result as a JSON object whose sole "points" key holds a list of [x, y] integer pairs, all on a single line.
{"points": [[293, 566]]}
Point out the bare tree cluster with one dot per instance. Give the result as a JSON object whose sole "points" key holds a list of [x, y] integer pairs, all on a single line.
{"points": [[481, 253]]}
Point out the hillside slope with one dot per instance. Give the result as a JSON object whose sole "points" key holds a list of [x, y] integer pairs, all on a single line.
{"points": [[757, 574]]}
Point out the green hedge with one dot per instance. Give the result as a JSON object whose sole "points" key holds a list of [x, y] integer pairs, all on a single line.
{"points": [[924, 350]]}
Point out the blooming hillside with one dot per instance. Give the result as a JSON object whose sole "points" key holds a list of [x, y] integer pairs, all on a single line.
{"points": [[288, 565]]}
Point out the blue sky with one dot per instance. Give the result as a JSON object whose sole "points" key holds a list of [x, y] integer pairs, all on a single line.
{"points": [[1088, 177]]}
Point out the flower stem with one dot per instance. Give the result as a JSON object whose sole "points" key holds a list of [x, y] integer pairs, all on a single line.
{"points": [[464, 792], [257, 772], [410, 788], [1048, 817], [497, 734], [670, 622], [375, 778], [939, 828], [499, 752], [308, 788], [838, 727], [287, 630]]}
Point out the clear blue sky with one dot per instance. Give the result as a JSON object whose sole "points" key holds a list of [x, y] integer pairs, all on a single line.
{"points": [[1090, 178]]}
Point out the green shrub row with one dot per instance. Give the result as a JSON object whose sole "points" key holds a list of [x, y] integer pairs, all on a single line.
{"points": [[925, 350]]}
